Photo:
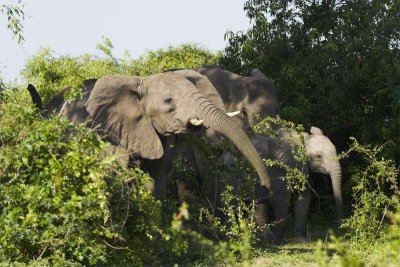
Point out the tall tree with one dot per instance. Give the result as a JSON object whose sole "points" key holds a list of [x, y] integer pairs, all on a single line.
{"points": [[336, 63], [15, 14]]}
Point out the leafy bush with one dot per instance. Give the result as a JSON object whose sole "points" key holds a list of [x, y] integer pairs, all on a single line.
{"points": [[374, 226], [50, 72], [336, 246], [240, 229], [296, 179], [375, 191], [63, 202], [236, 238], [216, 233], [339, 252], [335, 64], [187, 56]]}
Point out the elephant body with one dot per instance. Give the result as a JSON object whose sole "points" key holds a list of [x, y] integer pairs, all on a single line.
{"points": [[255, 96], [141, 116], [279, 146]]}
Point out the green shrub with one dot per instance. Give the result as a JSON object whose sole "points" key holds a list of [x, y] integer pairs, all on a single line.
{"points": [[51, 72], [222, 234], [336, 247], [346, 253], [393, 235], [187, 56], [375, 191], [63, 203], [295, 178]]}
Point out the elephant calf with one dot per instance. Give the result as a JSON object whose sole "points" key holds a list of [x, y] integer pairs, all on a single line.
{"points": [[321, 159]]}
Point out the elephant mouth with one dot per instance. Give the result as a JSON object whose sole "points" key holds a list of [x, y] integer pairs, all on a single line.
{"points": [[180, 127], [317, 168]]}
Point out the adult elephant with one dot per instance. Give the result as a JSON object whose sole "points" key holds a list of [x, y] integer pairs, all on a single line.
{"points": [[255, 96], [139, 113], [322, 158]]}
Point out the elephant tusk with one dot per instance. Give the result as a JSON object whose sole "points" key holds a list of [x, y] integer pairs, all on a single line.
{"points": [[233, 114], [196, 122]]}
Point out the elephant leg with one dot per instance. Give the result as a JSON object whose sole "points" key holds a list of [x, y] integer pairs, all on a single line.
{"points": [[301, 208], [280, 200], [213, 193], [156, 169], [261, 215], [261, 218]]}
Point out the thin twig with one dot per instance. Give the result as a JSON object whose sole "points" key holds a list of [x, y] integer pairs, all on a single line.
{"points": [[126, 215], [43, 251], [119, 248], [380, 224]]}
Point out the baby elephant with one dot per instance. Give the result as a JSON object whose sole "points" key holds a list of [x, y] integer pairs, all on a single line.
{"points": [[321, 159]]}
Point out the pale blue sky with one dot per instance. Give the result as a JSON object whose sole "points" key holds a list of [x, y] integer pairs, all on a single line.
{"points": [[75, 27]]}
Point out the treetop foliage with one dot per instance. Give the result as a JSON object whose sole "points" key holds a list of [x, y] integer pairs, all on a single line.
{"points": [[14, 13], [336, 64], [50, 72]]}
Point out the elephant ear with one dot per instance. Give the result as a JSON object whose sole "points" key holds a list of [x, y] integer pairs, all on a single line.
{"points": [[117, 112], [258, 74], [316, 130], [203, 69]]}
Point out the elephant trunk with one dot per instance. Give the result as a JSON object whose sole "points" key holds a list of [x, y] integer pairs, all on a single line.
{"points": [[336, 176], [217, 120]]}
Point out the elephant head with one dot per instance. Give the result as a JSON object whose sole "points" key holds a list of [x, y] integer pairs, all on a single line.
{"points": [[252, 95], [323, 159], [133, 112]]}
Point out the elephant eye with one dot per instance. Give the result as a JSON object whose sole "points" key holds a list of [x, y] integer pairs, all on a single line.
{"points": [[169, 102]]}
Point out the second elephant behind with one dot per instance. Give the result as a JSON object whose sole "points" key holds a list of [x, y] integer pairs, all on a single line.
{"points": [[322, 158], [256, 97]]}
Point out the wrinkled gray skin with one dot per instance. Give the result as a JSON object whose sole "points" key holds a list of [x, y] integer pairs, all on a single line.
{"points": [[137, 114], [252, 95], [322, 159]]}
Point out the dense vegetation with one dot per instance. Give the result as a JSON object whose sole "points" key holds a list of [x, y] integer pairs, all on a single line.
{"points": [[336, 65], [51, 72], [62, 201]]}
